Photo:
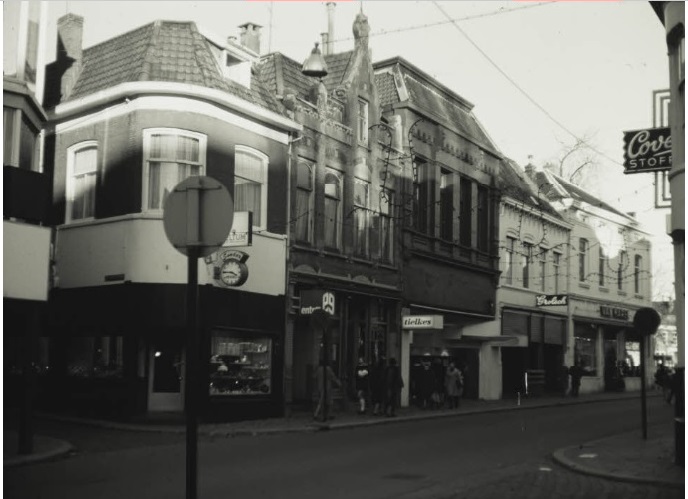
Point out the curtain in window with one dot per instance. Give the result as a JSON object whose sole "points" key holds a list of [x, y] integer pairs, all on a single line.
{"points": [[361, 218], [303, 202], [84, 183], [249, 178], [332, 211], [172, 158]]}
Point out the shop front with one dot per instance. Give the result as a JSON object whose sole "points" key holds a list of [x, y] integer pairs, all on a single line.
{"points": [[362, 326], [607, 348]]}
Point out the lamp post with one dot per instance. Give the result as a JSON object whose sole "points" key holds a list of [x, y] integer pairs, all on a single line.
{"points": [[646, 322]]}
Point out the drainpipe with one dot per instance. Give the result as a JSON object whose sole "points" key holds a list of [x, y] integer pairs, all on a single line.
{"points": [[288, 369]]}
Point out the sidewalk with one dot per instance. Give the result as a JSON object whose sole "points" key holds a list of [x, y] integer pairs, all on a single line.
{"points": [[622, 457]]}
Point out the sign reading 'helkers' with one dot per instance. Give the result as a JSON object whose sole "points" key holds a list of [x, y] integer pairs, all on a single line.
{"points": [[647, 150]]}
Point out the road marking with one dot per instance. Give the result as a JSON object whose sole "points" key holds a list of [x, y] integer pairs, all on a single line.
{"points": [[587, 456]]}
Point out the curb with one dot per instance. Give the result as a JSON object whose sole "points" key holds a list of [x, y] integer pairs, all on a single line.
{"points": [[57, 448], [561, 459], [314, 426]]}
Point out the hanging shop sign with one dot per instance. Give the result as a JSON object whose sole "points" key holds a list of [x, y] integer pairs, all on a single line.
{"points": [[422, 322], [647, 150], [614, 313], [316, 299], [551, 300]]}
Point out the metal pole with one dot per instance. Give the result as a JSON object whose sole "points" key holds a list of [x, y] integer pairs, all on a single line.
{"points": [[643, 401], [191, 385], [326, 364]]}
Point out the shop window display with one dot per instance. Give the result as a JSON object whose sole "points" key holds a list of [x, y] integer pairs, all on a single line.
{"points": [[586, 353], [95, 357], [240, 366]]}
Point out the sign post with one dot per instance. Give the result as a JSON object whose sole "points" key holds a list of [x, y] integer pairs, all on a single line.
{"points": [[197, 218], [646, 322], [320, 321]]}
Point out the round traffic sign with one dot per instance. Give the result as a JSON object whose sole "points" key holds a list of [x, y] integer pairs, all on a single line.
{"points": [[198, 213]]}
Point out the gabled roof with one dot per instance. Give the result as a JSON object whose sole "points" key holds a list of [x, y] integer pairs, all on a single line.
{"points": [[556, 188], [513, 182], [431, 97], [168, 51], [281, 72]]}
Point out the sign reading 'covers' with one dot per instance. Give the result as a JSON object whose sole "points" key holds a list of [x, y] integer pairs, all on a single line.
{"points": [[647, 150]]}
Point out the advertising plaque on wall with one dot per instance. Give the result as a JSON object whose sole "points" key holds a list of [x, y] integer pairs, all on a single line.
{"points": [[551, 300]]}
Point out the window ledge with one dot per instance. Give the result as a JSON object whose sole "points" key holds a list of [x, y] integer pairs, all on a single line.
{"points": [[604, 290], [583, 285], [621, 293], [639, 297]]}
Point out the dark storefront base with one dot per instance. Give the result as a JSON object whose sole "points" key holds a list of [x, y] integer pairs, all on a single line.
{"points": [[117, 312]]}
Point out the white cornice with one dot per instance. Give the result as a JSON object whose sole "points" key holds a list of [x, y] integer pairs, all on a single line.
{"points": [[519, 205], [131, 89]]}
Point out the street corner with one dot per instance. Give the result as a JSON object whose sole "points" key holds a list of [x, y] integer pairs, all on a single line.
{"points": [[45, 449]]}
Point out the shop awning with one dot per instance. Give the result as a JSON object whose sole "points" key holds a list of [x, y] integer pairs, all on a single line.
{"points": [[495, 340]]}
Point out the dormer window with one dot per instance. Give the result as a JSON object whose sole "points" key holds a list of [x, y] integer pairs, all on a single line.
{"points": [[237, 69]]}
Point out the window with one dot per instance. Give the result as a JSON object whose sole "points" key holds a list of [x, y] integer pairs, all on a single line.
{"points": [[21, 141], [509, 263], [362, 122], [636, 274], [171, 156], [483, 219], [82, 168], [681, 60], [303, 225], [240, 365], [96, 357], [556, 263], [542, 261], [582, 255], [251, 184], [525, 264], [386, 226], [333, 209], [446, 205], [421, 194], [623, 261], [361, 217], [465, 212], [602, 267], [585, 350]]}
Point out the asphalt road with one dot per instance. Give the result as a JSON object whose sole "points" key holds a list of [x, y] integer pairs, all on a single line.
{"points": [[498, 455]]}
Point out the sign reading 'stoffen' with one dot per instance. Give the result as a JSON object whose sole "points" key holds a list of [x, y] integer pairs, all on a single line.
{"points": [[551, 300], [647, 150], [422, 322]]}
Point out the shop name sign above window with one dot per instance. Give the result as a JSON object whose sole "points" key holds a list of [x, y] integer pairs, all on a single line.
{"points": [[614, 313], [647, 150], [551, 300], [422, 322], [316, 299]]}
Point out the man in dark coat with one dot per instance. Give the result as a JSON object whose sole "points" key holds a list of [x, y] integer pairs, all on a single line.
{"points": [[377, 386], [393, 386]]}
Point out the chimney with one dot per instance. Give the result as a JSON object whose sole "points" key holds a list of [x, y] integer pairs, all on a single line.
{"points": [[250, 36], [70, 30], [529, 168], [330, 28], [323, 43]]}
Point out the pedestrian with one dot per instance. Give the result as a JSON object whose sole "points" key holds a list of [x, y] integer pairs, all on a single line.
{"points": [[426, 386], [377, 386], [362, 384], [393, 385], [576, 374], [438, 370], [325, 378], [564, 380], [663, 380], [453, 385]]}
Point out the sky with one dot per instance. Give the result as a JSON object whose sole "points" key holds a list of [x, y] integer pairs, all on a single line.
{"points": [[539, 74]]}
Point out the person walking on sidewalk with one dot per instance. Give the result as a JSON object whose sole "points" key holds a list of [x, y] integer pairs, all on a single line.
{"points": [[576, 374], [323, 376], [377, 386], [393, 385], [362, 384], [453, 385]]}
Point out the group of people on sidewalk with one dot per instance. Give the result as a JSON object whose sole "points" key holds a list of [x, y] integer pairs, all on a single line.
{"points": [[377, 386], [437, 386]]}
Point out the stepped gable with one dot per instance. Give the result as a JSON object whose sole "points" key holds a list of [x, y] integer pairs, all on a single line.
{"points": [[169, 51]]}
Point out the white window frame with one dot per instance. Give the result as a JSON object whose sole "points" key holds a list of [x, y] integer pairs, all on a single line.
{"points": [[261, 224], [147, 133], [556, 264], [637, 269], [542, 269], [311, 199], [366, 218], [509, 260], [69, 187]]}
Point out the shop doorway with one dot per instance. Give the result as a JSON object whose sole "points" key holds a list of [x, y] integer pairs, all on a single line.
{"points": [[514, 366], [166, 375]]}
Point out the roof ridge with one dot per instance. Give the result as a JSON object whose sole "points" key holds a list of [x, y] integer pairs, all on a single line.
{"points": [[149, 56], [199, 53], [114, 38]]}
